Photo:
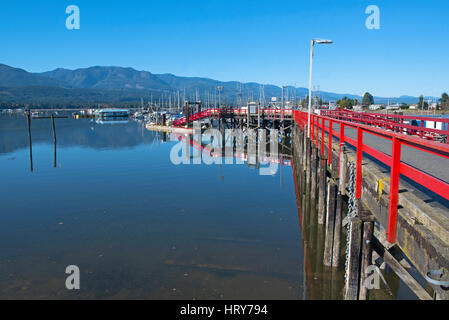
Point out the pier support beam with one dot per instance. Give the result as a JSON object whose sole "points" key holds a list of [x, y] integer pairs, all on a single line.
{"points": [[54, 139], [30, 142], [313, 174], [367, 251], [322, 187], [300, 140], [353, 271], [336, 255], [304, 151], [330, 224], [308, 160]]}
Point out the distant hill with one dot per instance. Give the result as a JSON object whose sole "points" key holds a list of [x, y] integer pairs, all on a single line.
{"points": [[108, 78], [120, 85], [14, 77]]}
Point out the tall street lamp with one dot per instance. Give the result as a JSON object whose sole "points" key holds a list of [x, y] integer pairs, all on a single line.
{"points": [[314, 41]]}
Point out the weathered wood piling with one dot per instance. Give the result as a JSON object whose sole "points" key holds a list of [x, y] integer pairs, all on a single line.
{"points": [[330, 223], [30, 142]]}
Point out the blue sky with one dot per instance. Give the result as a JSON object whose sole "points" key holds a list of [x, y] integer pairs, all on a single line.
{"points": [[262, 41]]}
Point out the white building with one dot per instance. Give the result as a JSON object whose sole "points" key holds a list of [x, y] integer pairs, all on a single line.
{"points": [[375, 107]]}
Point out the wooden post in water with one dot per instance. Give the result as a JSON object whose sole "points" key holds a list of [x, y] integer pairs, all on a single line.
{"points": [[330, 223], [308, 160], [298, 145], [337, 231], [367, 252], [353, 271], [343, 170], [54, 137], [314, 167], [29, 139], [304, 151], [322, 187]]}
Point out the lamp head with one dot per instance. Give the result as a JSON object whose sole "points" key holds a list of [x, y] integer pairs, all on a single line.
{"points": [[323, 41]]}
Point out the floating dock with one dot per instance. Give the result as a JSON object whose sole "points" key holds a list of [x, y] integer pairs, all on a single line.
{"points": [[160, 128]]}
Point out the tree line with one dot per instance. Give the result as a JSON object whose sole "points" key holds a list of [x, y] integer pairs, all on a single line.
{"points": [[368, 100]]}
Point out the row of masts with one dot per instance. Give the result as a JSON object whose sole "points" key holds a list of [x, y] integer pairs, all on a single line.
{"points": [[174, 101]]}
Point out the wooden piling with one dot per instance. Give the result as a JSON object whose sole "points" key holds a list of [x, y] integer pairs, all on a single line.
{"points": [[353, 271], [308, 160], [367, 251], [337, 231], [53, 127], [304, 151], [30, 140], [343, 170], [300, 140], [322, 187], [313, 174], [320, 270], [54, 139], [330, 224]]}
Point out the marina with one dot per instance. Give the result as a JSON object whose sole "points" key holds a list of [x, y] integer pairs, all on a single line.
{"points": [[218, 159]]}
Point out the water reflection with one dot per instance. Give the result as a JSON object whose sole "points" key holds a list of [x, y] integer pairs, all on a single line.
{"points": [[140, 227], [137, 225], [81, 132]]}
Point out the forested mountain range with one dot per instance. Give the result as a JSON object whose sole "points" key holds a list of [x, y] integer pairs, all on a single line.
{"points": [[124, 86]]}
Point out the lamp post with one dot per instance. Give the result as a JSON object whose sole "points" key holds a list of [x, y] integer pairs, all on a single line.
{"points": [[314, 41]]}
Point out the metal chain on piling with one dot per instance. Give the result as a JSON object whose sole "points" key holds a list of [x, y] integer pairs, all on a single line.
{"points": [[352, 207]]}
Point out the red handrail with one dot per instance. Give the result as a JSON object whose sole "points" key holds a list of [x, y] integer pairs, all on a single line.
{"points": [[217, 112], [393, 122], [394, 161]]}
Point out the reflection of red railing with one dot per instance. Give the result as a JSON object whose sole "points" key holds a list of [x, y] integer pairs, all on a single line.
{"points": [[410, 125], [324, 124]]}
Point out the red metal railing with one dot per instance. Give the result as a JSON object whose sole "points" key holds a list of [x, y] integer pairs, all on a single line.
{"points": [[196, 116], [396, 123], [398, 168], [269, 114]]}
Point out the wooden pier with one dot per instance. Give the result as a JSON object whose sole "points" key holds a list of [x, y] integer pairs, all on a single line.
{"points": [[418, 239]]}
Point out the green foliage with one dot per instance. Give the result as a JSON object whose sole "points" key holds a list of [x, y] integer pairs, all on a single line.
{"points": [[444, 97], [368, 99], [54, 97], [422, 104], [347, 103], [444, 102]]}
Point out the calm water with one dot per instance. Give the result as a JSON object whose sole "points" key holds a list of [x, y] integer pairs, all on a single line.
{"points": [[140, 227]]}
